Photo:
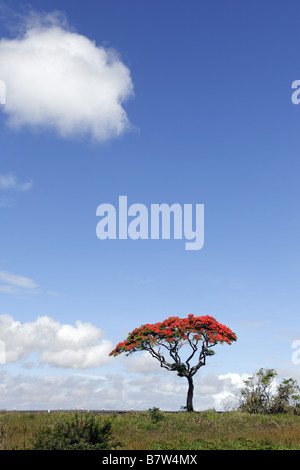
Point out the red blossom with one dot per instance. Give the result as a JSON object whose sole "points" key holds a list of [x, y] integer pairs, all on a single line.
{"points": [[192, 328]]}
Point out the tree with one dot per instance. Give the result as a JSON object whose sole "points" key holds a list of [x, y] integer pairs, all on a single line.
{"points": [[199, 334]]}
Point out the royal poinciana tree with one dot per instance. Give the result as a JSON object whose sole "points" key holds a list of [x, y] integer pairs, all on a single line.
{"points": [[191, 337]]}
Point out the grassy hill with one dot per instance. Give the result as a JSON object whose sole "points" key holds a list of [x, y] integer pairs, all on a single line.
{"points": [[155, 430]]}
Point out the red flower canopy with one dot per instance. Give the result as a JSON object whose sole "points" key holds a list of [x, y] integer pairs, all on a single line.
{"points": [[176, 330]]}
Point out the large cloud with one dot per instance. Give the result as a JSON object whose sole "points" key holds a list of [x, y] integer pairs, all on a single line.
{"points": [[58, 79], [78, 347]]}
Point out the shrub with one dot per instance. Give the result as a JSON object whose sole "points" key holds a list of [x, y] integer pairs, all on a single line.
{"points": [[155, 415], [261, 396], [287, 398], [79, 432]]}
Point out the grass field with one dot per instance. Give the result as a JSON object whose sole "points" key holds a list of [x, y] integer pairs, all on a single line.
{"points": [[207, 430]]}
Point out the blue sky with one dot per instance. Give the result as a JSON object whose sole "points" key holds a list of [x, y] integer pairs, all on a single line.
{"points": [[211, 122]]}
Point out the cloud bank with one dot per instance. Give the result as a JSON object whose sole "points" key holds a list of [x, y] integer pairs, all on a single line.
{"points": [[60, 80], [77, 347], [113, 392]]}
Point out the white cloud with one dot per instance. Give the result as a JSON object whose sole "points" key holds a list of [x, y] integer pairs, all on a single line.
{"points": [[9, 181], [142, 363], [117, 391], [60, 80], [16, 280], [15, 284], [228, 389], [112, 392], [9, 289], [78, 347], [161, 386], [35, 392]]}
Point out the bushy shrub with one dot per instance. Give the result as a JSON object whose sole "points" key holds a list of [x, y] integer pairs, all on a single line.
{"points": [[79, 432], [287, 398], [155, 415], [260, 395]]}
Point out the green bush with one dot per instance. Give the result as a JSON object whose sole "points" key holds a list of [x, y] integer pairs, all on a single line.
{"points": [[79, 432], [155, 415], [259, 394], [287, 398]]}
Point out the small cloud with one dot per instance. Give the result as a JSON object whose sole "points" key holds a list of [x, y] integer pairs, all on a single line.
{"points": [[15, 284], [16, 280], [25, 186], [9, 289], [53, 293], [10, 182]]}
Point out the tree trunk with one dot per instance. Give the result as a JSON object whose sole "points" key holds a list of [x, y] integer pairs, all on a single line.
{"points": [[190, 393]]}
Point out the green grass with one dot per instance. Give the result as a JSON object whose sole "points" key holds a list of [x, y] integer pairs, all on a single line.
{"points": [[146, 430]]}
